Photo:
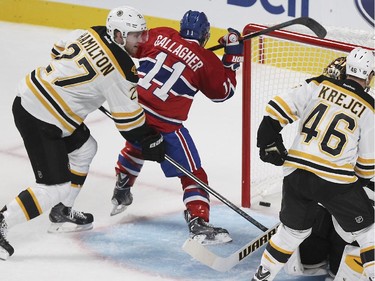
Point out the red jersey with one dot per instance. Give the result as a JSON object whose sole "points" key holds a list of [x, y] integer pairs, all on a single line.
{"points": [[171, 71]]}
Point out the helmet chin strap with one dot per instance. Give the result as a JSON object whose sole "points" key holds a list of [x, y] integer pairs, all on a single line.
{"points": [[122, 46]]}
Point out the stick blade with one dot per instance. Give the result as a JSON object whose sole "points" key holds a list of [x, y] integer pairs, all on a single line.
{"points": [[206, 257], [222, 264], [313, 25]]}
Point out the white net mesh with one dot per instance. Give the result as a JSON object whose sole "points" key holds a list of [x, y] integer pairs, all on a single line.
{"points": [[278, 64]]}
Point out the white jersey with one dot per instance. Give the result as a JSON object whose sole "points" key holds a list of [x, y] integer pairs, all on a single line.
{"points": [[336, 130], [86, 70]]}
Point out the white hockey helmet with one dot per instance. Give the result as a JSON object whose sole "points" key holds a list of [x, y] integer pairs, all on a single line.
{"points": [[360, 63], [125, 19]]}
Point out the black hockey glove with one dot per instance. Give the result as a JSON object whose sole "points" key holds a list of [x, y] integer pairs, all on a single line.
{"points": [[153, 147], [274, 153]]}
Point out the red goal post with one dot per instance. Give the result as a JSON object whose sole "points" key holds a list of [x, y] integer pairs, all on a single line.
{"points": [[272, 64]]}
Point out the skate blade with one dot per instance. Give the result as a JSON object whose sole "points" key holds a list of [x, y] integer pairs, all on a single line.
{"points": [[220, 238], [4, 255], [67, 227], [118, 209]]}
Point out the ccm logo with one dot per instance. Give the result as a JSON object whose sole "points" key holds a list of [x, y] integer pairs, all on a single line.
{"points": [[156, 143], [237, 59], [290, 7]]}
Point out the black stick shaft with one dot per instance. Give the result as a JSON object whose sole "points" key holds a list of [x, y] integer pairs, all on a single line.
{"points": [[204, 185], [310, 23], [216, 194]]}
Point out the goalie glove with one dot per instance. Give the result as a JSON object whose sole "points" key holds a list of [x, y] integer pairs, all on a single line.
{"points": [[274, 153], [153, 147], [233, 48]]}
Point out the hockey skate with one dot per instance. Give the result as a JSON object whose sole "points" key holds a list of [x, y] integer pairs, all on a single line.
{"points": [[65, 219], [262, 274], [6, 250], [204, 232], [122, 197]]}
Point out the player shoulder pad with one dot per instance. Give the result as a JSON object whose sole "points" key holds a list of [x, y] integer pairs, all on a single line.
{"points": [[125, 62]]}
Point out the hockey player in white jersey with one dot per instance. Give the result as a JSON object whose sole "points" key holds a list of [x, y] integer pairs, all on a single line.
{"points": [[89, 67], [330, 160], [329, 250]]}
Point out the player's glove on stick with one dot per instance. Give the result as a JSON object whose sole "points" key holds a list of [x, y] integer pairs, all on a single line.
{"points": [[233, 49], [153, 147], [274, 153]]}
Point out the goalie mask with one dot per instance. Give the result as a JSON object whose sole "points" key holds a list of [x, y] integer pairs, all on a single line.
{"points": [[195, 25], [336, 69], [126, 19]]}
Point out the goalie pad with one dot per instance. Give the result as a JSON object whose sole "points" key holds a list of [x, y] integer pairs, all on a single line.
{"points": [[295, 267], [350, 266]]}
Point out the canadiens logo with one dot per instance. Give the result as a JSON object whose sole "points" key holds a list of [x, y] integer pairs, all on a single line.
{"points": [[366, 8]]}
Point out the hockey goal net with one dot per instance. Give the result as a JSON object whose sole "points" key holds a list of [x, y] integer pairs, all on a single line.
{"points": [[272, 64]]}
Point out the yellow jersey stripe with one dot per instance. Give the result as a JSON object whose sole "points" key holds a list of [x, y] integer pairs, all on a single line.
{"points": [[46, 104]]}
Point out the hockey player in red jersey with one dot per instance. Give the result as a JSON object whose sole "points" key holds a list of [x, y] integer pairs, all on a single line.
{"points": [[174, 67], [329, 162], [88, 68]]}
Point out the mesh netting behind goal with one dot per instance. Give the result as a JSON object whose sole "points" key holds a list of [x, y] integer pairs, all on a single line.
{"points": [[274, 63]]}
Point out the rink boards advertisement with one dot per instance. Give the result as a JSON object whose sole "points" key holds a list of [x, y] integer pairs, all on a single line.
{"points": [[353, 14]]}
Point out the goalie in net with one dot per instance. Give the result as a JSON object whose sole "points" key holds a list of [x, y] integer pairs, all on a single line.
{"points": [[329, 250], [329, 162]]}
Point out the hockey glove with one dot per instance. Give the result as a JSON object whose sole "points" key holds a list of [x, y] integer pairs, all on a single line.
{"points": [[233, 48], [153, 147], [274, 153]]}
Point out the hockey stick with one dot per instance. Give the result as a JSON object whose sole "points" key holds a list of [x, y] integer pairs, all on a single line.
{"points": [[203, 185], [106, 112], [310, 23], [216, 194], [222, 264], [203, 254], [197, 250]]}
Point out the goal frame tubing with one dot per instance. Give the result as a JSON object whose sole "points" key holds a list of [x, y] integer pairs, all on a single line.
{"points": [[246, 93]]}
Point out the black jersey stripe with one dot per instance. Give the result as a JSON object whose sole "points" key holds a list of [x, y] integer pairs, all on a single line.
{"points": [[281, 257], [28, 203], [122, 120], [365, 167], [280, 110], [131, 125], [50, 99], [77, 179], [335, 171], [367, 255]]}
